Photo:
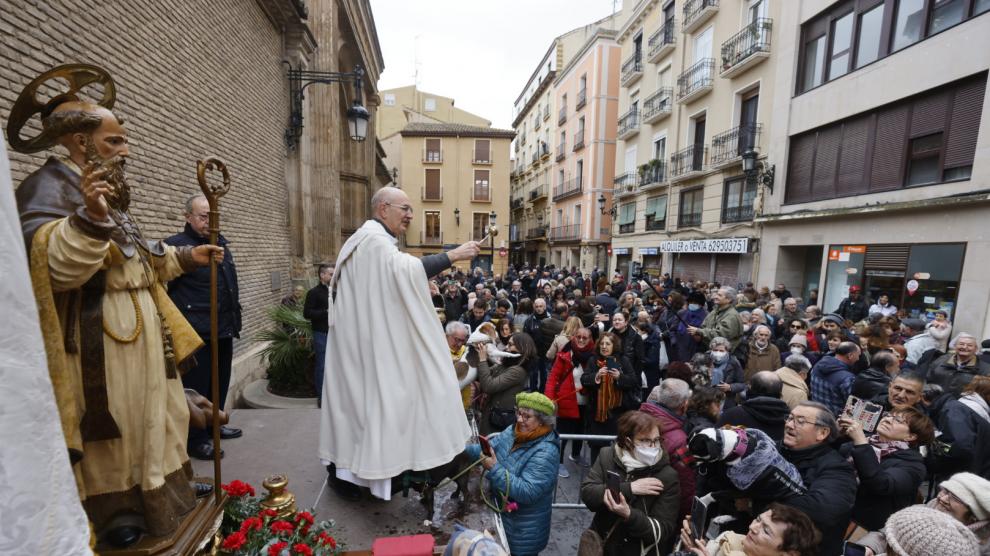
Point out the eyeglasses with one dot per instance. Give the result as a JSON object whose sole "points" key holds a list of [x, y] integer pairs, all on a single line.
{"points": [[583, 338], [403, 208], [802, 421], [948, 496], [524, 415], [648, 442], [896, 417], [459, 340]]}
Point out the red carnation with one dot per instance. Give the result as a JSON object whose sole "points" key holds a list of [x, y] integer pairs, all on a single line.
{"points": [[326, 539], [234, 541], [238, 488], [267, 513], [300, 548], [276, 549], [282, 526], [304, 516], [251, 523]]}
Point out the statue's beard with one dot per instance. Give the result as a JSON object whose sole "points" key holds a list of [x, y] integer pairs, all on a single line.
{"points": [[119, 196]]}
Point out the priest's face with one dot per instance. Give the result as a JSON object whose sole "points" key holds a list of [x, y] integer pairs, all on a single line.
{"points": [[396, 213]]}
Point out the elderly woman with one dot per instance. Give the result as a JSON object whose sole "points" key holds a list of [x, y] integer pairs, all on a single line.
{"points": [[501, 383], [779, 531], [643, 518], [522, 473], [608, 380], [964, 497], [727, 373], [888, 464]]}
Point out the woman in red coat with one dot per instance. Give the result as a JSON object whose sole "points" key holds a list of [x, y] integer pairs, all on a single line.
{"points": [[563, 387]]}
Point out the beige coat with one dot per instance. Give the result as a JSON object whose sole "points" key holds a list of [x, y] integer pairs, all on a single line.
{"points": [[795, 389]]}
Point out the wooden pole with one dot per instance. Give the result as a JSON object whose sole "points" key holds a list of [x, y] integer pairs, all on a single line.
{"points": [[213, 194]]}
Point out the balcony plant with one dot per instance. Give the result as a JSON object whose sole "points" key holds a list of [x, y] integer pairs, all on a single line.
{"points": [[289, 354]]}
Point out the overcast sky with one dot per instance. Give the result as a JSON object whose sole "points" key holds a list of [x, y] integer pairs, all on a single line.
{"points": [[479, 52]]}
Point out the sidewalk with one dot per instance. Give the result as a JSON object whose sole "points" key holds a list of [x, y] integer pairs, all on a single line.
{"points": [[285, 440]]}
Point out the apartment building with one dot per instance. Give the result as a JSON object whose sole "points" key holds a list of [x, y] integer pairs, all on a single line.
{"points": [[696, 79], [457, 179], [586, 92], [882, 158]]}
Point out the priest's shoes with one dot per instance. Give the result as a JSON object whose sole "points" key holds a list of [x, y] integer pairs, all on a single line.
{"points": [[123, 536], [203, 450], [227, 433], [344, 489]]}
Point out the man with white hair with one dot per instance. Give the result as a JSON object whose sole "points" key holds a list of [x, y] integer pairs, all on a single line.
{"points": [[370, 433], [954, 370], [761, 355], [457, 337], [668, 403], [724, 321]]}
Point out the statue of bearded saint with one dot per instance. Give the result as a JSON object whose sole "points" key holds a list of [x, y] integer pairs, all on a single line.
{"points": [[112, 169]]}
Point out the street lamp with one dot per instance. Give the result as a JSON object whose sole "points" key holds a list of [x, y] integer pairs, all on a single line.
{"points": [[357, 114], [457, 215], [601, 206], [756, 170], [492, 231]]}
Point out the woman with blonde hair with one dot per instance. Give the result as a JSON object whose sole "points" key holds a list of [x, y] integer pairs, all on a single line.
{"points": [[571, 325]]}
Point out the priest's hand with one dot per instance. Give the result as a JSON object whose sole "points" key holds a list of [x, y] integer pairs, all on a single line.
{"points": [[93, 188], [464, 252], [201, 254], [201, 410]]}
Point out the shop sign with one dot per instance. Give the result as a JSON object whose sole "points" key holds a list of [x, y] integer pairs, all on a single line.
{"points": [[861, 249], [647, 250], [912, 286], [620, 250], [885, 273], [722, 245]]}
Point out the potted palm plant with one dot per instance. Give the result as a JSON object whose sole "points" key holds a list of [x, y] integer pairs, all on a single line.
{"points": [[289, 353]]}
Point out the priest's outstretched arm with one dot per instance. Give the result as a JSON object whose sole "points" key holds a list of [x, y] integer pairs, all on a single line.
{"points": [[435, 264]]}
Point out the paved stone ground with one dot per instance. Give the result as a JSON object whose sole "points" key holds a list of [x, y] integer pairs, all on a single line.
{"points": [[285, 440]]}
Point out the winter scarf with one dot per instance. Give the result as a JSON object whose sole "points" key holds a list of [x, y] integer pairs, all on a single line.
{"points": [[747, 470], [976, 402], [884, 449], [609, 396], [524, 437], [580, 356]]}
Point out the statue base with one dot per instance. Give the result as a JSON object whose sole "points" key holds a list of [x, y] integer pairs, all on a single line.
{"points": [[192, 536]]}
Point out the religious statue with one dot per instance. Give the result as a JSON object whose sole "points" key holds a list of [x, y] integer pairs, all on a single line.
{"points": [[115, 343]]}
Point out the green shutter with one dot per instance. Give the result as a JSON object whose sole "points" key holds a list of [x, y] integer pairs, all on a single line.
{"points": [[657, 207], [627, 213]]}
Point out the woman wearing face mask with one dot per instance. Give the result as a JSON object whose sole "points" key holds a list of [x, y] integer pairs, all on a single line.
{"points": [[727, 372], [643, 520], [683, 345], [799, 346]]}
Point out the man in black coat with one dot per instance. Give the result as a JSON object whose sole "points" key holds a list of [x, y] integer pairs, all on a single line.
{"points": [[315, 308], [763, 408], [853, 308], [872, 383], [191, 294]]}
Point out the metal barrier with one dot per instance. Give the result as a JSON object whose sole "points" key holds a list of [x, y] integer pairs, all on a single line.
{"points": [[586, 437]]}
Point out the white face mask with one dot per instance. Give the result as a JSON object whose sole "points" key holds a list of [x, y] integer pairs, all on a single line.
{"points": [[719, 356], [693, 306], [647, 455], [797, 351]]}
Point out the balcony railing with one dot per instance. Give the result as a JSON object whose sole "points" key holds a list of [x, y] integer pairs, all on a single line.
{"points": [[624, 182], [516, 203], [658, 105], [567, 189], [536, 233], [627, 228], [544, 150], [632, 68], [430, 239], [689, 220], [661, 42], [562, 115], [629, 123], [697, 12], [729, 146], [581, 99], [432, 193], [433, 157], [481, 156], [561, 151], [747, 47], [538, 192], [536, 123], [696, 80], [685, 161], [565, 233], [742, 213], [534, 158], [654, 174], [579, 140]]}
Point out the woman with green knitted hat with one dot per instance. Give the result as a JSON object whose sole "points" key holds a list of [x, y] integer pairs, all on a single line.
{"points": [[521, 473]]}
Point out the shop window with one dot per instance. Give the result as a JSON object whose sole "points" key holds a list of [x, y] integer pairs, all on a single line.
{"points": [[981, 6], [923, 164], [936, 270]]}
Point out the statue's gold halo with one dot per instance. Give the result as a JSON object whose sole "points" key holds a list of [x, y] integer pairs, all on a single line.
{"points": [[79, 76]]}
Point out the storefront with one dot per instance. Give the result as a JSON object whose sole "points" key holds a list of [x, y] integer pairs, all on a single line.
{"points": [[623, 260], [920, 278], [652, 261], [724, 260]]}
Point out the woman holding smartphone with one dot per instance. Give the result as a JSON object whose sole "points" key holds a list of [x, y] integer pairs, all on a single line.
{"points": [[608, 379]]}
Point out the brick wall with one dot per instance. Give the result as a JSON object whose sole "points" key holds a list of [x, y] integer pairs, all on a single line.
{"points": [[193, 79]]}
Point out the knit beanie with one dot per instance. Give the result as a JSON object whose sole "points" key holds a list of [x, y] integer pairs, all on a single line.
{"points": [[923, 531], [535, 401], [799, 339], [973, 490]]}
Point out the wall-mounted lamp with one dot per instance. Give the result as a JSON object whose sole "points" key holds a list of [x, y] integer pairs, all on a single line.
{"points": [[758, 170], [601, 206], [357, 114], [457, 216]]}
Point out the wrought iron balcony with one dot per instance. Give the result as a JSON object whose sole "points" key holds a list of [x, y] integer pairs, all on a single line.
{"points": [[570, 232], [686, 162], [538, 192], [661, 42], [561, 151], [567, 189], [632, 69], [433, 156], [581, 99], [654, 174], [696, 80], [689, 220], [544, 150], [536, 233], [658, 105], [624, 184], [742, 213], [747, 47], [629, 124], [728, 146], [430, 239], [562, 115], [516, 203], [697, 12], [579, 140]]}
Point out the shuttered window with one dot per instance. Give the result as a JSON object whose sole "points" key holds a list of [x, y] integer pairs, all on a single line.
{"points": [[801, 159], [889, 149], [432, 191], [482, 190], [627, 214], [656, 213], [851, 179], [888, 257], [481, 150], [432, 153], [964, 124], [826, 162]]}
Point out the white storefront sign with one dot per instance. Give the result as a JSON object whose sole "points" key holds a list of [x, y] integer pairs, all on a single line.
{"points": [[647, 251], [620, 250], [721, 245]]}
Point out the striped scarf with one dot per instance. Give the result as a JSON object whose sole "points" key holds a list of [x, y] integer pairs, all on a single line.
{"points": [[608, 395]]}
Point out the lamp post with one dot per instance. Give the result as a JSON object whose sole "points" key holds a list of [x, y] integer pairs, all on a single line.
{"points": [[492, 231], [601, 206], [758, 171], [457, 216], [357, 114]]}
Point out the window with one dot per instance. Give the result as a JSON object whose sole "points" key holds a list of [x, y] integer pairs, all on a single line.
{"points": [[981, 6], [431, 226], [482, 191], [909, 23], [868, 41], [482, 150], [660, 148], [690, 209], [627, 218], [577, 216], [656, 213], [430, 105], [923, 160], [945, 14], [479, 226], [432, 153], [433, 191], [841, 46], [814, 63], [389, 99], [579, 174], [737, 202]]}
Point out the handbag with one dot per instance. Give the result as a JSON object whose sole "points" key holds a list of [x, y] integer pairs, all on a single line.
{"points": [[592, 544], [501, 418]]}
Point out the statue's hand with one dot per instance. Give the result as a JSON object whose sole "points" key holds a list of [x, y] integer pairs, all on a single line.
{"points": [[201, 254], [93, 188]]}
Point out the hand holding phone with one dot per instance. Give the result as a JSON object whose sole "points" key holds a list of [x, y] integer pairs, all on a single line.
{"points": [[612, 481], [486, 447], [853, 549]]}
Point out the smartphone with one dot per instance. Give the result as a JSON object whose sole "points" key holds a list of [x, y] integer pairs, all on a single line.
{"points": [[853, 549], [699, 514], [612, 481], [486, 446]]}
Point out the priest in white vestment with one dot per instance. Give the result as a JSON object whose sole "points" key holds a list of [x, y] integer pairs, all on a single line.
{"points": [[391, 401]]}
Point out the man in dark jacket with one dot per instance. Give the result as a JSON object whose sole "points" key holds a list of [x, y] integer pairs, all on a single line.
{"points": [[606, 302], [632, 343], [763, 408], [477, 315], [191, 294], [454, 301], [872, 383], [963, 443], [315, 309], [854, 307], [953, 371], [829, 479], [832, 377]]}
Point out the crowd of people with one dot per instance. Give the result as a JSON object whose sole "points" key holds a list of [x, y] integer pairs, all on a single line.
{"points": [[706, 389]]}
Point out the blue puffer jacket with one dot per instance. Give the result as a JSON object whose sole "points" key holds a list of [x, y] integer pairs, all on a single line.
{"points": [[532, 478], [831, 382]]}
